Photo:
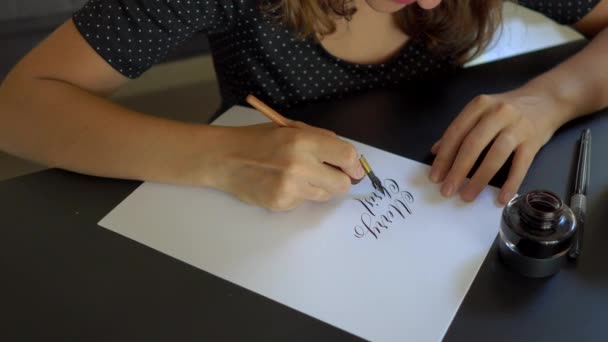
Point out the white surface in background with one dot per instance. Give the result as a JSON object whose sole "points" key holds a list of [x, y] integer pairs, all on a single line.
{"points": [[525, 31]]}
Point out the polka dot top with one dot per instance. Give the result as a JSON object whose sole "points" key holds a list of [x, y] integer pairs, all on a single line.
{"points": [[253, 54]]}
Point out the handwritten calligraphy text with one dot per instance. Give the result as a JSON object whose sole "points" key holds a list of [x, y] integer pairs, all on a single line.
{"points": [[383, 209]]}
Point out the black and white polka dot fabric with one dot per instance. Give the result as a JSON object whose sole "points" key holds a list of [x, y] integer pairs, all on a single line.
{"points": [[132, 35], [252, 53], [565, 12]]}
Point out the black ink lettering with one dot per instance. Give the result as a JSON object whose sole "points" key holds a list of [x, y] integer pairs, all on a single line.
{"points": [[366, 207], [397, 209], [391, 186], [376, 198], [368, 224], [385, 219], [407, 196], [359, 232], [381, 225], [375, 220], [405, 206]]}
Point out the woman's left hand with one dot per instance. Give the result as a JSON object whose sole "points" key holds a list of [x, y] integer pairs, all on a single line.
{"points": [[512, 122]]}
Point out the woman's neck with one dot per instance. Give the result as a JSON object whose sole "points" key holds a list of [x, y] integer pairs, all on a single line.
{"points": [[370, 37]]}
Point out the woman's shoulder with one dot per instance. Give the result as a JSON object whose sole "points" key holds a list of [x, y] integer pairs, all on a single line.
{"points": [[565, 12], [132, 35]]}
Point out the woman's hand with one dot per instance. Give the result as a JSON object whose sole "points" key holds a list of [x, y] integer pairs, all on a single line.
{"points": [[511, 122], [280, 168]]}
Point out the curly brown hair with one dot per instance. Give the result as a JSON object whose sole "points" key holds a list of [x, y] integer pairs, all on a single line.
{"points": [[458, 28]]}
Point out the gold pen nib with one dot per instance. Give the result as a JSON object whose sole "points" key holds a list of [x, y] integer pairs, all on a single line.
{"points": [[372, 177]]}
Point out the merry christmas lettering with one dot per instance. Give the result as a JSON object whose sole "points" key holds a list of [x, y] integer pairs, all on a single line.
{"points": [[381, 210]]}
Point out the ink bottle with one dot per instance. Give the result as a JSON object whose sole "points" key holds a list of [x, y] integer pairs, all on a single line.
{"points": [[536, 232]]}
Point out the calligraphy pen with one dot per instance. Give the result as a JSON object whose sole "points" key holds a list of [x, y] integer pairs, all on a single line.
{"points": [[282, 121], [578, 201]]}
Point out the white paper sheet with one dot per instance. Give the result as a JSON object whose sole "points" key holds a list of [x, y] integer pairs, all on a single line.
{"points": [[333, 261]]}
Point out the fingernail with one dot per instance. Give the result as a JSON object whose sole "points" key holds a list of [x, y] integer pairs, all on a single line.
{"points": [[467, 196], [448, 189], [506, 197], [435, 175], [435, 145], [361, 172]]}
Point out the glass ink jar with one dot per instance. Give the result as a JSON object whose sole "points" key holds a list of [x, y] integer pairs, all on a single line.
{"points": [[536, 233]]}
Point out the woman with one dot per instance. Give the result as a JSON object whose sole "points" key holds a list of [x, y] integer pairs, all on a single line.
{"points": [[287, 52]]}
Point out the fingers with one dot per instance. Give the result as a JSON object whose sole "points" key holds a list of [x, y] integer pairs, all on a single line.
{"points": [[286, 207], [521, 163], [295, 187], [469, 152], [455, 135], [307, 193], [436, 147], [329, 179], [336, 152], [282, 194], [315, 193], [280, 168], [339, 153], [501, 149], [486, 119]]}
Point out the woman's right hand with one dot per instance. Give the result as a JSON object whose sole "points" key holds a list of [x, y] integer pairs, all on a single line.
{"points": [[280, 168]]}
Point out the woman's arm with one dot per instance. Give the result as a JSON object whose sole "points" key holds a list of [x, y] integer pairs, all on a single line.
{"points": [[521, 121], [53, 110]]}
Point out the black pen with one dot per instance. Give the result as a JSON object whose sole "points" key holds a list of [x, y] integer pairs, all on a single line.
{"points": [[578, 201]]}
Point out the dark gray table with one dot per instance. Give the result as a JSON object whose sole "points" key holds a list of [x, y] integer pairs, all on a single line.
{"points": [[65, 278]]}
